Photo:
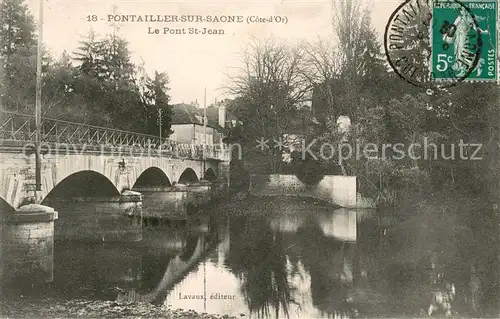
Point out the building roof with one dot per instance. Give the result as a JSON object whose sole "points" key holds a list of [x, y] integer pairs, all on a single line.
{"points": [[190, 114]]}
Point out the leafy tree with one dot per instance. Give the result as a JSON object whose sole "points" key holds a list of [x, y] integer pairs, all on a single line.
{"points": [[469, 113], [98, 85], [116, 64], [90, 56], [106, 82], [89, 85], [409, 116], [234, 134], [156, 98], [18, 47], [58, 96]]}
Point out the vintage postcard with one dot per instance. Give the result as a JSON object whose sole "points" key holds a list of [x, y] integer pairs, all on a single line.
{"points": [[249, 159]]}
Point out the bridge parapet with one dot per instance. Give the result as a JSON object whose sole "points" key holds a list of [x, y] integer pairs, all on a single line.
{"points": [[17, 130]]}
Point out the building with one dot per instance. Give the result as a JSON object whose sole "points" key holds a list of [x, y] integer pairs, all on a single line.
{"points": [[187, 123]]}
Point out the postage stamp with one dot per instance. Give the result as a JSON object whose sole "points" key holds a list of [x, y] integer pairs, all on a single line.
{"points": [[435, 44], [464, 40]]}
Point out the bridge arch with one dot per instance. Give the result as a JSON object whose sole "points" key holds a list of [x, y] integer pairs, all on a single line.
{"points": [[86, 183], [187, 176], [209, 175], [152, 176]]}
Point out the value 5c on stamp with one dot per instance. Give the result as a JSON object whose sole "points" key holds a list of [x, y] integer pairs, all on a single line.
{"points": [[464, 40]]}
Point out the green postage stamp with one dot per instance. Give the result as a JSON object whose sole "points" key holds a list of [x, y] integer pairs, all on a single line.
{"points": [[464, 40]]}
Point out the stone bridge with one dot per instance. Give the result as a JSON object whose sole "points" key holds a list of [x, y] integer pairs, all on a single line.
{"points": [[95, 158], [97, 182], [96, 175]]}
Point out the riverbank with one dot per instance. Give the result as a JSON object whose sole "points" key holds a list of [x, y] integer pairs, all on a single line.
{"points": [[262, 206], [21, 307]]}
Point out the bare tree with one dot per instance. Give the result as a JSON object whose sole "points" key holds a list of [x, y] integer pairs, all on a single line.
{"points": [[350, 25], [274, 63], [270, 88], [322, 66], [338, 66]]}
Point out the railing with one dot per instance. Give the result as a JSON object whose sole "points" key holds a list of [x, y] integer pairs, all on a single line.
{"points": [[21, 128]]}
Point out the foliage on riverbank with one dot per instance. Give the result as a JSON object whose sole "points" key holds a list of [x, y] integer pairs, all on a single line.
{"points": [[49, 308], [401, 140]]}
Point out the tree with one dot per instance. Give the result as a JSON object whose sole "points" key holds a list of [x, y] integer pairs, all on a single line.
{"points": [[117, 67], [58, 98], [106, 83], [156, 98], [270, 88], [352, 70], [469, 113], [89, 83], [322, 70], [409, 114], [98, 85], [89, 55], [349, 78], [18, 55]]}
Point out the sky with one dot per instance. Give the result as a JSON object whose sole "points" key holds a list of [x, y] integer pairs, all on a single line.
{"points": [[192, 61]]}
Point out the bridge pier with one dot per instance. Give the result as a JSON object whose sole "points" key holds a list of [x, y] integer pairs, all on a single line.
{"points": [[218, 188], [225, 173], [28, 245], [199, 193], [100, 219], [164, 202]]}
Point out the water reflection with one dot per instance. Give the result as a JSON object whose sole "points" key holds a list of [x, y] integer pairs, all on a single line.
{"points": [[257, 257], [94, 271], [305, 261]]}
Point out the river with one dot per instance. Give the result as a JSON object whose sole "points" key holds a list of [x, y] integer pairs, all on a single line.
{"points": [[278, 258]]}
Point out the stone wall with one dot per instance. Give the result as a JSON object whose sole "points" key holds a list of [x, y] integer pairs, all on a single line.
{"points": [[340, 190], [164, 202]]}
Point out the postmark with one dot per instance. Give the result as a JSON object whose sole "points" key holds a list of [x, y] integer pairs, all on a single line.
{"points": [[465, 37], [406, 41], [425, 48]]}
